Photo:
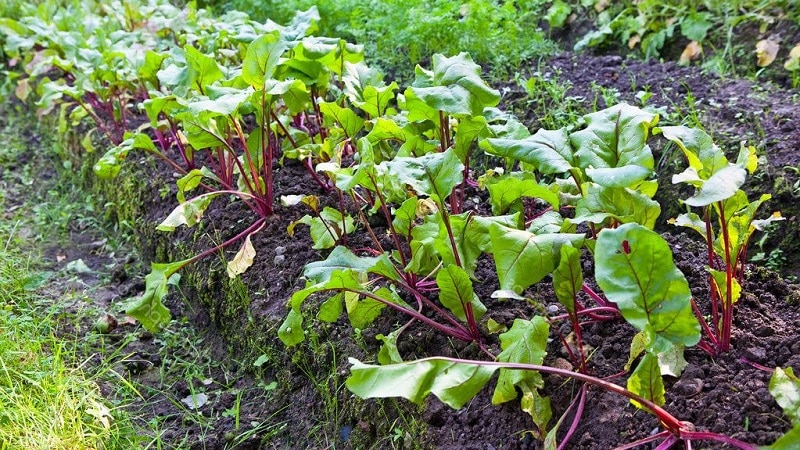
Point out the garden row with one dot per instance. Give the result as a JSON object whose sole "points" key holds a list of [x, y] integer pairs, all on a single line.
{"points": [[224, 102]]}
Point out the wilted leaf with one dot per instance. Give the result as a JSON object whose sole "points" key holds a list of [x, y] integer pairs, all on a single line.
{"points": [[243, 259], [766, 51], [692, 51]]}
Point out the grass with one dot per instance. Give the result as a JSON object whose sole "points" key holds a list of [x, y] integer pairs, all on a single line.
{"points": [[49, 401], [50, 395]]}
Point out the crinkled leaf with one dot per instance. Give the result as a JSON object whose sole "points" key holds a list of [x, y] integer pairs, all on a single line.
{"points": [[548, 151], [525, 343], [634, 267], [432, 174], [646, 381], [616, 138], [508, 191], [456, 293], [456, 87], [622, 204], [523, 259], [453, 383]]}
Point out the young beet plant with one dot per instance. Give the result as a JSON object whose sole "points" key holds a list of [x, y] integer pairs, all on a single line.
{"points": [[726, 222], [231, 124]]}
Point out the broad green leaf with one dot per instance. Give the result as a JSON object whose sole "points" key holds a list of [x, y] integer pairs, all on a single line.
{"points": [[243, 259], [691, 221], [634, 267], [453, 383], [365, 88], [187, 213], [784, 385], [456, 87], [526, 343], [696, 24], [149, 309], [615, 139], [523, 259], [508, 191], [469, 129], [721, 185], [341, 258], [568, 277], [455, 293], [548, 151], [472, 237], [345, 117], [404, 217], [203, 69], [435, 174], [646, 381], [220, 101], [698, 148], [109, 165], [622, 204], [261, 59]]}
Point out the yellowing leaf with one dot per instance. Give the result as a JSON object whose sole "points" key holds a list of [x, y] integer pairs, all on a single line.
{"points": [[692, 51], [793, 63], [634, 41], [601, 5], [766, 51], [243, 259]]}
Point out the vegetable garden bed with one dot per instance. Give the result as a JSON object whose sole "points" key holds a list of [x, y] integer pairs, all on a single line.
{"points": [[426, 231]]}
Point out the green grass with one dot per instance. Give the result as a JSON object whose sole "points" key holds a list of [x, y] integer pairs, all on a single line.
{"points": [[48, 400], [49, 391]]}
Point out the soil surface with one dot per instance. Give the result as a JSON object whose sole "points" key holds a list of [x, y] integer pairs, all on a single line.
{"points": [[205, 389]]}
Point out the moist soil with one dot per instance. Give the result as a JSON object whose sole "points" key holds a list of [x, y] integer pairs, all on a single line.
{"points": [[258, 394]]}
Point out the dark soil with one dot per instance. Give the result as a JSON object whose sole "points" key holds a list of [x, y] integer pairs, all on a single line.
{"points": [[296, 397]]}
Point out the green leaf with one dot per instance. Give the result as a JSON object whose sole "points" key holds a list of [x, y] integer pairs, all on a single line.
{"points": [[456, 292], [622, 204], [362, 311], [787, 442], [434, 174], [454, 383], [698, 148], [646, 381], [508, 191], [471, 234], [548, 151], [149, 309], [721, 185], [523, 259], [785, 387], [261, 59], [568, 277], [187, 213], [456, 87], [634, 267], [331, 309], [558, 13], [188, 182], [721, 285], [326, 229], [695, 26], [341, 258], [613, 146], [388, 354], [365, 88], [345, 117], [203, 70], [291, 330], [526, 343]]}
